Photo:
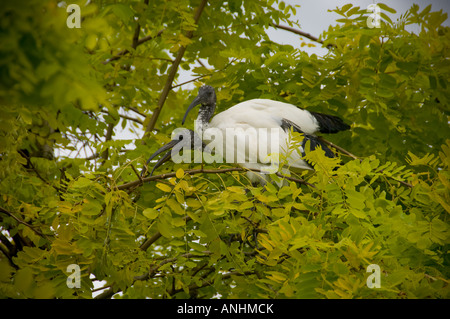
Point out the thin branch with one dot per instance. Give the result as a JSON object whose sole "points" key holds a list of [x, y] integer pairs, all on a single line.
{"points": [[205, 171], [205, 75], [131, 119], [108, 136], [136, 172], [301, 33], [153, 270], [192, 80], [211, 281], [2, 210], [135, 110], [139, 121], [139, 42], [137, 31], [92, 157], [156, 236], [201, 63], [30, 163], [173, 71], [340, 149]]}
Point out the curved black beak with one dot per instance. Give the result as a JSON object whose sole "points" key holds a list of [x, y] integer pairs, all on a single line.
{"points": [[194, 103], [163, 159], [181, 140]]}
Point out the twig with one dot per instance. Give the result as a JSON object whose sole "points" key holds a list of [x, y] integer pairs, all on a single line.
{"points": [[156, 236], [22, 222], [210, 282], [124, 117], [139, 42], [137, 174], [108, 136], [340, 149], [204, 75], [135, 110], [192, 80], [30, 163], [205, 171], [173, 71], [92, 157], [136, 31], [299, 32], [153, 270]]}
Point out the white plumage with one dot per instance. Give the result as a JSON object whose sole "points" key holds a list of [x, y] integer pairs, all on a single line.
{"points": [[266, 123], [249, 116]]}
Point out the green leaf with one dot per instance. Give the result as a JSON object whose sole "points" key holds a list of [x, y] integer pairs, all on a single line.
{"points": [[23, 280], [123, 11], [386, 8], [164, 187], [196, 246], [180, 173], [150, 213]]}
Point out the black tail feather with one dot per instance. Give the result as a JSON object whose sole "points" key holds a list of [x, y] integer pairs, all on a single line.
{"points": [[330, 123]]}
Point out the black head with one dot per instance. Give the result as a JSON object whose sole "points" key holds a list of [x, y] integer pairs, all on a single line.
{"points": [[206, 97], [180, 139]]}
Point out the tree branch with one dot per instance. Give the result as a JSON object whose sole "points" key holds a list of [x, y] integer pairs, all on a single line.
{"points": [[301, 33], [211, 281], [340, 149], [30, 163], [2, 210], [108, 136], [156, 236], [153, 270], [139, 42], [205, 171], [173, 71]]}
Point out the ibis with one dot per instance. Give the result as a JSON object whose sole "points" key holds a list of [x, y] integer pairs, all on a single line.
{"points": [[253, 117]]}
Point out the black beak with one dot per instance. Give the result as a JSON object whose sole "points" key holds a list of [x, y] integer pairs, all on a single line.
{"points": [[194, 103], [163, 159]]}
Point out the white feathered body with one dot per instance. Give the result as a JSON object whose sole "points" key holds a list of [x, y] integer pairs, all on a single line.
{"points": [[261, 120]]}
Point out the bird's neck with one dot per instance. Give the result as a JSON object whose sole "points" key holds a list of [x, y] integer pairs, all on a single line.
{"points": [[204, 116]]}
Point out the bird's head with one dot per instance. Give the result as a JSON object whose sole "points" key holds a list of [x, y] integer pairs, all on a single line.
{"points": [[181, 138], [206, 97]]}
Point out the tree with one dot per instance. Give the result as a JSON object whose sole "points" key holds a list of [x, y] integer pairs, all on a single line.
{"points": [[202, 230]]}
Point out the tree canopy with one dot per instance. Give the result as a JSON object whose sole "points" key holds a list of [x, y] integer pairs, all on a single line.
{"points": [[70, 186]]}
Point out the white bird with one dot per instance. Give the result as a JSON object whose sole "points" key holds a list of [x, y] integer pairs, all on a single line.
{"points": [[254, 117]]}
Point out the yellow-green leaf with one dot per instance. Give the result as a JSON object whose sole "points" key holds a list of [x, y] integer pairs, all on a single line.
{"points": [[150, 213], [164, 187], [180, 173]]}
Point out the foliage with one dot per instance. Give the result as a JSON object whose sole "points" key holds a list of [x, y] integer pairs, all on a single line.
{"points": [[71, 194]]}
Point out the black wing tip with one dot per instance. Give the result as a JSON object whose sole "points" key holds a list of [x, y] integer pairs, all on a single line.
{"points": [[314, 140], [330, 123]]}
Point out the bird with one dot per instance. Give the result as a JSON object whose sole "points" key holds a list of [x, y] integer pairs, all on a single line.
{"points": [[254, 116]]}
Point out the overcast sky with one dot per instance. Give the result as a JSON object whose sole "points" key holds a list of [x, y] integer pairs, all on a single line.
{"points": [[314, 17]]}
